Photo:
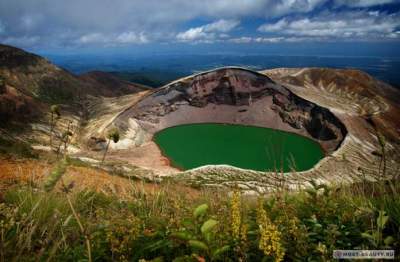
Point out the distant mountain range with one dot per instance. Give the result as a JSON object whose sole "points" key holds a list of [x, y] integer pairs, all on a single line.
{"points": [[157, 70]]}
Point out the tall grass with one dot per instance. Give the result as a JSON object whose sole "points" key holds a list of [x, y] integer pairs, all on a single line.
{"points": [[41, 225]]}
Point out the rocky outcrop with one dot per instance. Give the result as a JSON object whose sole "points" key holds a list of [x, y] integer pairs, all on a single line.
{"points": [[319, 122], [226, 86]]}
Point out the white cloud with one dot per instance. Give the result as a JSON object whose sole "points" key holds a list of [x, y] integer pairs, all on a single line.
{"points": [[192, 34], [132, 38], [394, 34], [363, 3], [221, 26], [278, 26], [208, 32], [112, 39], [357, 25], [158, 19], [124, 22], [241, 40], [267, 40], [223, 35], [293, 6], [92, 38]]}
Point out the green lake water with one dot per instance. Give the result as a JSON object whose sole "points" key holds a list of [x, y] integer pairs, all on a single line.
{"points": [[256, 148]]}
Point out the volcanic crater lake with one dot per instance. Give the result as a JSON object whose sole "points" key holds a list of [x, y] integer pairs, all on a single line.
{"points": [[257, 148]]}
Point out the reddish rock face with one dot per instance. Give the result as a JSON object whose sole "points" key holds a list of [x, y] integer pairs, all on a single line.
{"points": [[281, 100], [236, 96], [227, 86]]}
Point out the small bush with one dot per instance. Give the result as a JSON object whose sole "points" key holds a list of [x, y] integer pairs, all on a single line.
{"points": [[16, 148]]}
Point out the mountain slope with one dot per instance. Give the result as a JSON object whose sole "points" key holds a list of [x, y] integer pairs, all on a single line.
{"points": [[109, 85], [30, 83], [34, 76]]}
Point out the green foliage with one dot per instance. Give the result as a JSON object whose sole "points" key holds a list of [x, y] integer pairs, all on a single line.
{"points": [[168, 225], [113, 134], [77, 162], [56, 174], [31, 222], [200, 210], [391, 204], [375, 236], [208, 225], [16, 148], [200, 235], [55, 94], [55, 109]]}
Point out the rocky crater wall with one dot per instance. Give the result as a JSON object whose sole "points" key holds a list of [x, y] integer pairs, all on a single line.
{"points": [[233, 96]]}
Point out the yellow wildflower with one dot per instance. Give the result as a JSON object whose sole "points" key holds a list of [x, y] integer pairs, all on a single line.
{"points": [[120, 235], [235, 215], [243, 233], [270, 237], [293, 226], [322, 248]]}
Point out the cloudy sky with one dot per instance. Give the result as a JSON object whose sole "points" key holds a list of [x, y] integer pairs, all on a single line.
{"points": [[52, 24]]}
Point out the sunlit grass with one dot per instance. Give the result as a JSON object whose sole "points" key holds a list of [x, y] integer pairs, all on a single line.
{"points": [[39, 225]]}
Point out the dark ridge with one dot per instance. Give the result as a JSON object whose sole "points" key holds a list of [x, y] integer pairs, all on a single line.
{"points": [[11, 57]]}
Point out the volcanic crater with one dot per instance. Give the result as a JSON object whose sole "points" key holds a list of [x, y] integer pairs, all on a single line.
{"points": [[229, 96]]}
